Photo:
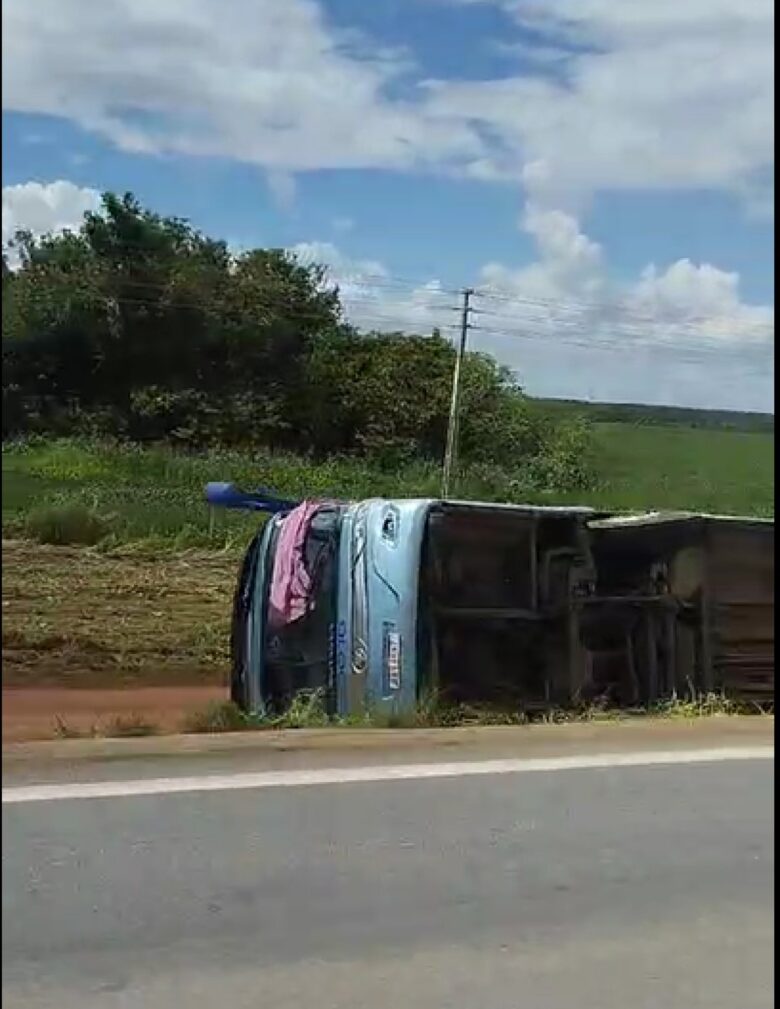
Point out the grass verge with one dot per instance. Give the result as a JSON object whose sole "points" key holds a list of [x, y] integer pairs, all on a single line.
{"points": [[308, 711]]}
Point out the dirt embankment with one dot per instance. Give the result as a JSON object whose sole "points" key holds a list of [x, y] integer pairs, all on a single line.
{"points": [[86, 635], [48, 712]]}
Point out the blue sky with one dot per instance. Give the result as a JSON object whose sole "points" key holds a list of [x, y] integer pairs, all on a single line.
{"points": [[603, 173]]}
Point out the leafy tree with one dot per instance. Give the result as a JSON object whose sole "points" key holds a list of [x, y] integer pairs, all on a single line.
{"points": [[136, 301], [140, 326]]}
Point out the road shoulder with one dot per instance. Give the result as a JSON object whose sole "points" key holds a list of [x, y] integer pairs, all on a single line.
{"points": [[295, 750]]}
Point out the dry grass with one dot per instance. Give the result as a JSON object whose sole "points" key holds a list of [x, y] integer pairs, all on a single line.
{"points": [[119, 727], [82, 618], [64, 730], [130, 726], [306, 712], [219, 716]]}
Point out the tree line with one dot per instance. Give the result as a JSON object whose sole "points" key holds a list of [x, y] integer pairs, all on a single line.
{"points": [[138, 326]]}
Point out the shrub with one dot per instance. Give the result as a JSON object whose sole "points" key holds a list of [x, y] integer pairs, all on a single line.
{"points": [[565, 462], [65, 525]]}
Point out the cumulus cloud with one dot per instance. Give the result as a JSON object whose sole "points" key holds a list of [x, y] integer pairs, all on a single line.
{"points": [[614, 95], [703, 297], [569, 264], [680, 334], [45, 207], [342, 268], [645, 96], [262, 81], [374, 300], [684, 307], [565, 294]]}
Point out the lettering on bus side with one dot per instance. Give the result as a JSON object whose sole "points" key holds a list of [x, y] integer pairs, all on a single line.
{"points": [[341, 647], [392, 659], [331, 654]]}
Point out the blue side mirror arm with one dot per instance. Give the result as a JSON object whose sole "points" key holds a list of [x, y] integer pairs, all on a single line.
{"points": [[226, 495]]}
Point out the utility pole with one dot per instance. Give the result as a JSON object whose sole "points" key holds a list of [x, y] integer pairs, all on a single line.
{"points": [[450, 451]]}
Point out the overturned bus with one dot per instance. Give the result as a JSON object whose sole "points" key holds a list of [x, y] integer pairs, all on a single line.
{"points": [[380, 603]]}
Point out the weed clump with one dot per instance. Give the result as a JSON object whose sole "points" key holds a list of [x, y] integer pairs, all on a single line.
{"points": [[72, 524]]}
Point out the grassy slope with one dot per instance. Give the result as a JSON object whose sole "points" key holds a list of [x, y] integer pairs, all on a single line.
{"points": [[154, 493]]}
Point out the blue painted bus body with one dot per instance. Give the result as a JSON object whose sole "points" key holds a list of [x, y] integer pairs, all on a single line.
{"points": [[378, 596], [371, 646], [473, 600], [372, 643]]}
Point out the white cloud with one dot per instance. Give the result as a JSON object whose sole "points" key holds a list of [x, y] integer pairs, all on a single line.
{"points": [[666, 94], [45, 207], [685, 307], [569, 264], [341, 267], [262, 81], [283, 188], [375, 300], [701, 297], [617, 94], [678, 335]]}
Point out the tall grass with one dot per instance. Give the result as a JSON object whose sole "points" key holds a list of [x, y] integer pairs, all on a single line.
{"points": [[65, 524], [156, 494]]}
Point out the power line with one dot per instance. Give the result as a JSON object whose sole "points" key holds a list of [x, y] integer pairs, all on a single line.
{"points": [[431, 298], [367, 306], [560, 313], [623, 339], [680, 353]]}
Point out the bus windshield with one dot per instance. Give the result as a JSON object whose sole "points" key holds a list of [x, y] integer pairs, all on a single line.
{"points": [[299, 656]]}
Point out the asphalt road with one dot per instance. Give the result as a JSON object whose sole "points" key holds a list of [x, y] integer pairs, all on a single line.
{"points": [[619, 888]]}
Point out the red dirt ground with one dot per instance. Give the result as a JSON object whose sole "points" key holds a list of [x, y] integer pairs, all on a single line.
{"points": [[36, 712]]}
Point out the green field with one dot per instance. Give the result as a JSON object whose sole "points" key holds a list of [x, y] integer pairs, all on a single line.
{"points": [[694, 469], [662, 416], [157, 495]]}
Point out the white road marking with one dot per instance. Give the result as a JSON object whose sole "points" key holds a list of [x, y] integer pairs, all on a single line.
{"points": [[378, 773]]}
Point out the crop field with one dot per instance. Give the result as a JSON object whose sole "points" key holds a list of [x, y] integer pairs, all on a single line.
{"points": [[692, 469]]}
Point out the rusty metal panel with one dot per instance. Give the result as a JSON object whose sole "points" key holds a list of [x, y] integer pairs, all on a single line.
{"points": [[741, 591], [720, 572]]}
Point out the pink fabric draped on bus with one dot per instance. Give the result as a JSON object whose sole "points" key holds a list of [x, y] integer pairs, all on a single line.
{"points": [[291, 581]]}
